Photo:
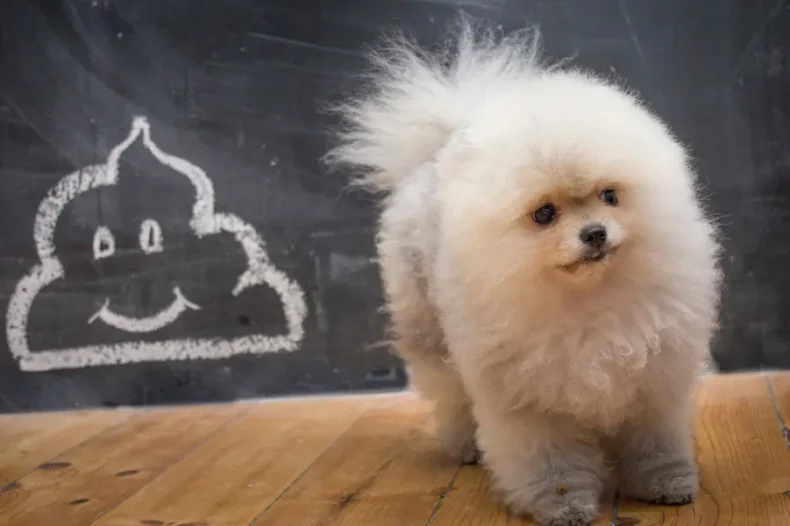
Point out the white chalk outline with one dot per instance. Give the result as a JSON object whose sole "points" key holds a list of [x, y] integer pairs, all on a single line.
{"points": [[204, 222], [102, 233], [154, 322], [151, 236]]}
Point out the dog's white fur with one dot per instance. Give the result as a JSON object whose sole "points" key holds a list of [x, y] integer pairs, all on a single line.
{"points": [[560, 371]]}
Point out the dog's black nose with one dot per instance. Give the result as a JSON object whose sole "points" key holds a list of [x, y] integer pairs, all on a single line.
{"points": [[593, 235]]}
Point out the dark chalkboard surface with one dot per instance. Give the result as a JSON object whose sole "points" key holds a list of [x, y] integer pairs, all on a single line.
{"points": [[169, 234]]}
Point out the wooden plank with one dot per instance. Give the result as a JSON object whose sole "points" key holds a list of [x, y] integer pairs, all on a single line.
{"points": [[277, 464], [28, 440], [78, 486], [386, 470], [470, 502], [744, 461], [230, 479]]}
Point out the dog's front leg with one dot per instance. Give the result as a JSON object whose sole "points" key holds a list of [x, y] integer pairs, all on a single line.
{"points": [[544, 466], [656, 456]]}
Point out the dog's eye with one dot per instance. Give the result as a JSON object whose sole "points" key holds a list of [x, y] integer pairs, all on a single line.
{"points": [[545, 214], [609, 197]]}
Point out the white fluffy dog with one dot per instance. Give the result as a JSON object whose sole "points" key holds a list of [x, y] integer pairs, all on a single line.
{"points": [[551, 275]]}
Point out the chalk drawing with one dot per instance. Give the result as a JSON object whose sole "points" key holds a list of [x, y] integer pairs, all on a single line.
{"points": [[151, 237], [103, 243], [152, 323], [204, 222]]}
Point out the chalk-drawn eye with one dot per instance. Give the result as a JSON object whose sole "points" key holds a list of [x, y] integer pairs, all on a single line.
{"points": [[103, 243], [150, 236]]}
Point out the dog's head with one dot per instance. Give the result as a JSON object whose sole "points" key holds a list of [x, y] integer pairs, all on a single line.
{"points": [[577, 226], [566, 181]]}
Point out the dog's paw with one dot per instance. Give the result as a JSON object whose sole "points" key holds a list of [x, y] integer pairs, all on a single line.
{"points": [[560, 507], [457, 436], [674, 499], [466, 453], [470, 456], [576, 514], [674, 484], [674, 490]]}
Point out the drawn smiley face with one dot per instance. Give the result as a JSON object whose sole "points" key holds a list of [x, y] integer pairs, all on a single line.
{"points": [[151, 242], [149, 346]]}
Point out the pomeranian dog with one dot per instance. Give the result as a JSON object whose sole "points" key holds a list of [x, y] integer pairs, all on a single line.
{"points": [[551, 274]]}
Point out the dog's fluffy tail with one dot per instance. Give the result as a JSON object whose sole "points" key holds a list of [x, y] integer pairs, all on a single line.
{"points": [[416, 100]]}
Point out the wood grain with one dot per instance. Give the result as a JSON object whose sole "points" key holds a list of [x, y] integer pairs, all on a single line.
{"points": [[242, 470], [29, 440], [744, 461], [78, 486], [780, 388], [357, 461], [386, 470]]}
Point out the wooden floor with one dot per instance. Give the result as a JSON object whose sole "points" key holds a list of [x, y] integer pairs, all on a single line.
{"points": [[361, 461]]}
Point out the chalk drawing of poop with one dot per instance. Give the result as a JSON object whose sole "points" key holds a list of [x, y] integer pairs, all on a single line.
{"points": [[205, 221]]}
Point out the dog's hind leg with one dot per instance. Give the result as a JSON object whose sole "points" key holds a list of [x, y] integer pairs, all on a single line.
{"points": [[419, 340]]}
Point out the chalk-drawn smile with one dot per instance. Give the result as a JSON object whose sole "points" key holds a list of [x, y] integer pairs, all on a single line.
{"points": [[149, 323]]}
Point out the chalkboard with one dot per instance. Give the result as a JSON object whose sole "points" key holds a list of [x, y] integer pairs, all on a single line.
{"points": [[169, 234]]}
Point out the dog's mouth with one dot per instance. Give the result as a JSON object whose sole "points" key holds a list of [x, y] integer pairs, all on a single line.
{"points": [[589, 258]]}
